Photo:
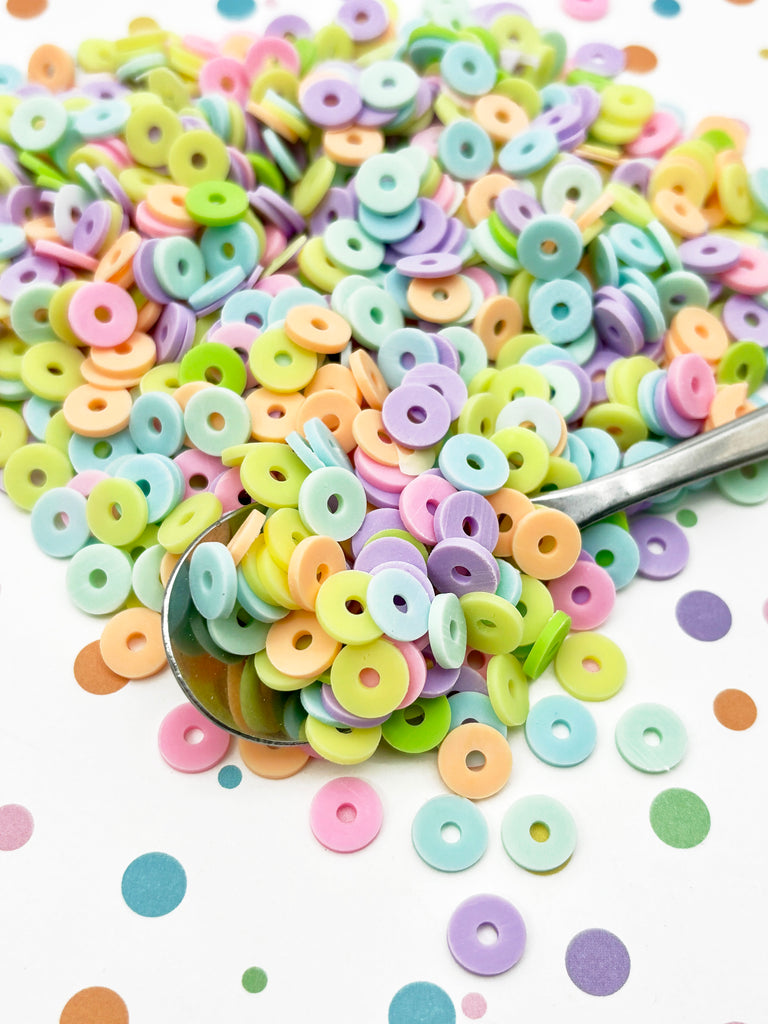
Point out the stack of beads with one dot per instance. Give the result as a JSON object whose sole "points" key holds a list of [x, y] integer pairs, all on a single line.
{"points": [[389, 288]]}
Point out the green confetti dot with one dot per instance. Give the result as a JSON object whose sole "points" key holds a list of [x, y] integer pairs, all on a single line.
{"points": [[687, 517], [254, 979], [680, 818]]}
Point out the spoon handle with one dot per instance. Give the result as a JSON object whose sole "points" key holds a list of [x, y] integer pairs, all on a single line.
{"points": [[739, 443]]}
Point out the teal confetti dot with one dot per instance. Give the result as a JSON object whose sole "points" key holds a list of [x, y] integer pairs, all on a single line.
{"points": [[154, 884], [423, 1002], [666, 8], [254, 979], [230, 776], [236, 8]]}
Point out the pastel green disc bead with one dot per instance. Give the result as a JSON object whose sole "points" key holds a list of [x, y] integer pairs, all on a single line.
{"points": [[447, 631], [32, 470], [273, 475], [187, 521], [538, 833], [116, 511], [332, 503], [508, 689], [215, 419], [99, 579], [179, 266]]}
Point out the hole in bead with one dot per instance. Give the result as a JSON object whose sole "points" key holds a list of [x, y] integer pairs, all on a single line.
{"points": [[369, 677], [547, 544], [475, 760], [193, 736], [302, 641], [450, 833], [539, 832], [590, 664], [487, 934], [580, 595], [652, 737], [346, 813], [560, 729]]}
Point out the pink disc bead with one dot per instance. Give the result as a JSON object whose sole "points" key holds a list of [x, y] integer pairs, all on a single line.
{"points": [[417, 670], [102, 315], [85, 482], [226, 77], [659, 132], [477, 661], [228, 488], [346, 815], [276, 241], [153, 227], [181, 745], [200, 470], [586, 593], [691, 385], [239, 337], [276, 283], [481, 277], [388, 478], [750, 275], [586, 10], [418, 504], [268, 50]]}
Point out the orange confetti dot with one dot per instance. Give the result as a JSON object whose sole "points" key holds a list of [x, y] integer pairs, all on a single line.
{"points": [[26, 8], [735, 709], [739, 2], [92, 674], [640, 59], [95, 1005]]}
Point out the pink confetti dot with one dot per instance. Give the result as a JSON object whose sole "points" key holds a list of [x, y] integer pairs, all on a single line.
{"points": [[473, 1005], [16, 826]]}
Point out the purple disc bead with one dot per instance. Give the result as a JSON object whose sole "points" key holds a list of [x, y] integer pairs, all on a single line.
{"points": [[446, 382], [331, 103], [617, 328], [26, 203], [439, 680], [385, 550], [468, 949], [30, 270], [635, 174], [663, 547], [455, 236], [564, 120], [284, 209], [585, 388], [709, 254], [517, 209], [93, 227], [174, 332], [381, 519], [428, 232], [335, 710], [338, 204], [144, 272], [363, 20], [595, 370], [285, 25], [446, 353], [673, 424], [589, 101], [600, 59], [746, 319], [114, 189], [466, 514], [429, 264], [470, 681], [462, 567], [377, 496], [416, 416]]}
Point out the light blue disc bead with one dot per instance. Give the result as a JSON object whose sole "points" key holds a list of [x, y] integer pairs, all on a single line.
{"points": [[557, 259], [312, 702], [390, 227], [427, 833], [396, 285], [634, 248], [233, 245], [398, 604], [469, 706], [217, 290], [468, 68], [10, 78], [605, 453], [583, 348], [299, 447], [37, 414], [510, 581], [604, 261], [212, 580], [156, 424], [649, 309], [98, 452], [372, 314], [472, 353], [201, 414], [646, 391], [255, 605], [178, 266], [540, 355], [579, 455], [288, 299], [160, 480], [102, 119], [560, 310], [403, 350], [465, 150], [473, 463], [247, 307], [614, 550], [541, 731], [325, 445], [528, 152], [58, 522], [13, 241], [332, 503], [99, 579]]}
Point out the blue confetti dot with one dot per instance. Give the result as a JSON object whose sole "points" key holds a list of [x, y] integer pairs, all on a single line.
{"points": [[154, 884], [423, 1002], [230, 776], [236, 8], [666, 8]]}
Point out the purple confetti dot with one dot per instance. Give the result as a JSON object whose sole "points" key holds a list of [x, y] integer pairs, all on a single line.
{"points": [[703, 615], [597, 962]]}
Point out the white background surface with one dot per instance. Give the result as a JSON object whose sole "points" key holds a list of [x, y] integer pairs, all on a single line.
{"points": [[339, 935]]}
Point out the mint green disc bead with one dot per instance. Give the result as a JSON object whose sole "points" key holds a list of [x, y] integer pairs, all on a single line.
{"points": [[215, 419], [745, 486], [447, 631], [38, 123], [13, 241], [332, 503], [145, 578], [239, 632], [116, 511], [681, 288], [234, 245], [352, 248], [388, 85], [216, 203], [178, 266], [29, 313], [550, 247], [215, 363], [373, 315], [465, 150], [386, 184], [282, 155], [99, 579], [473, 356]]}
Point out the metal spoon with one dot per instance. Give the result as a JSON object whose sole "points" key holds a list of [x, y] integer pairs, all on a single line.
{"points": [[213, 684]]}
